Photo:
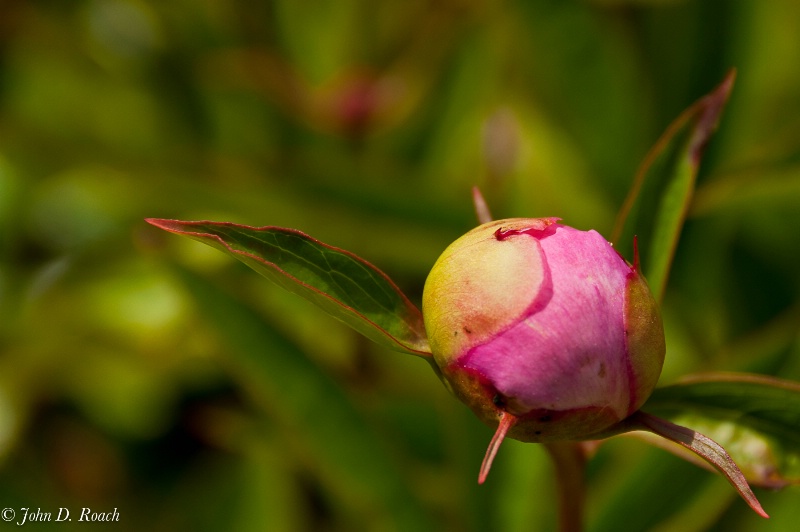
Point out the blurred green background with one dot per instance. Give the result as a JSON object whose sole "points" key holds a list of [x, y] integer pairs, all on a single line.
{"points": [[151, 374]]}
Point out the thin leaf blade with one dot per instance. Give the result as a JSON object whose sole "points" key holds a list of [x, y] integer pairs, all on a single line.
{"points": [[341, 283], [659, 199], [757, 418], [705, 448]]}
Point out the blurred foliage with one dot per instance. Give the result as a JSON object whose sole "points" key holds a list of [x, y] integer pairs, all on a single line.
{"points": [[364, 124]]}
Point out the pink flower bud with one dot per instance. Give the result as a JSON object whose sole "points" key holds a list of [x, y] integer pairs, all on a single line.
{"points": [[545, 325]]}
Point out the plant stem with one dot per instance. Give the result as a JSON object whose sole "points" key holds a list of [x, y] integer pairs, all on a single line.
{"points": [[569, 459]]}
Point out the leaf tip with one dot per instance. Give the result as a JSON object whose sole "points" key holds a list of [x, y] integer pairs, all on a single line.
{"points": [[637, 265], [506, 422], [712, 106], [759, 510], [481, 207], [161, 223]]}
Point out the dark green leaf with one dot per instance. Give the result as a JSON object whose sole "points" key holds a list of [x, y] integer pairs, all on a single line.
{"points": [[659, 199], [344, 285]]}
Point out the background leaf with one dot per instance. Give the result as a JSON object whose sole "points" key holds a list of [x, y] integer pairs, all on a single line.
{"points": [[316, 416], [344, 285], [662, 189]]}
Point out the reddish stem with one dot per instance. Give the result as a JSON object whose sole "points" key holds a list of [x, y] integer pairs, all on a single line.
{"points": [[569, 459]]}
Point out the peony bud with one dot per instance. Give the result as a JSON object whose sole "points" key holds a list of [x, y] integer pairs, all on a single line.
{"points": [[543, 330]]}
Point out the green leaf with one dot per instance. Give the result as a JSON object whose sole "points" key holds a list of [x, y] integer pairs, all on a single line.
{"points": [[756, 418], [344, 285], [321, 423], [659, 199]]}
